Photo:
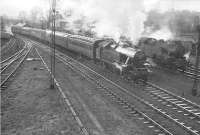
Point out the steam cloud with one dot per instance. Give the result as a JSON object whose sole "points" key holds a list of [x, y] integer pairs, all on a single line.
{"points": [[163, 33], [117, 18], [113, 18]]}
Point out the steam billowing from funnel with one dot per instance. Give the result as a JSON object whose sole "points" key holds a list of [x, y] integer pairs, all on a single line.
{"points": [[167, 5], [114, 18], [187, 55]]}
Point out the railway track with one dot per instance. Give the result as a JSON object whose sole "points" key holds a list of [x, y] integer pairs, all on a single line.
{"points": [[184, 112], [66, 100], [132, 110], [190, 72], [174, 99], [11, 67], [192, 69], [100, 81], [8, 45], [95, 77], [5, 62]]}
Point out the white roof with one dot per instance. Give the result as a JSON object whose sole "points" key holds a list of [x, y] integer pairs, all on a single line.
{"points": [[130, 52], [87, 39], [20, 24], [60, 33]]}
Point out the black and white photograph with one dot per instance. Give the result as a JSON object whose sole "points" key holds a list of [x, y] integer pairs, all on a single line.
{"points": [[100, 67]]}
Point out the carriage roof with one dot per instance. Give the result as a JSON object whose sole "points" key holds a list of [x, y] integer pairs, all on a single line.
{"points": [[86, 39]]}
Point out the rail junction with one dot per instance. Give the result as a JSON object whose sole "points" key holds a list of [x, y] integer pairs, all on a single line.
{"points": [[184, 113]]}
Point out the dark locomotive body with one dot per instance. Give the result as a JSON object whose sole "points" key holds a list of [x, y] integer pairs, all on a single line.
{"points": [[125, 60], [169, 54]]}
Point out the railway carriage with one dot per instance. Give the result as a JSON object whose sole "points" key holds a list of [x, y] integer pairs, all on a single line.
{"points": [[26, 31], [44, 35], [82, 45], [36, 33], [47, 36], [60, 39]]}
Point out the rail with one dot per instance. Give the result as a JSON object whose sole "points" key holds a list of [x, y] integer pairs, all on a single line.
{"points": [[8, 75]]}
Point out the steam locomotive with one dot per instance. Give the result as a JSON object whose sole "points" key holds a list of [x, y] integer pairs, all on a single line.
{"points": [[170, 54], [125, 60]]}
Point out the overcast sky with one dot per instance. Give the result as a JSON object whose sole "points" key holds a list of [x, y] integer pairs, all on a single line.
{"points": [[13, 7]]}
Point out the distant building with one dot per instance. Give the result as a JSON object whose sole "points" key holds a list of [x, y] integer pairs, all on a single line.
{"points": [[188, 37]]}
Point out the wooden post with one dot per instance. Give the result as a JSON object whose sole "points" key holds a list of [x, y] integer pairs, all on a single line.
{"points": [[53, 45], [195, 84]]}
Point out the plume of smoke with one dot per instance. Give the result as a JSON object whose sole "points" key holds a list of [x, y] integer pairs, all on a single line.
{"points": [[167, 5], [166, 24], [163, 33], [114, 18], [187, 55]]}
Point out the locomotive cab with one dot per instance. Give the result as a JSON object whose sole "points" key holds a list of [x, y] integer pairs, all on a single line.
{"points": [[132, 63]]}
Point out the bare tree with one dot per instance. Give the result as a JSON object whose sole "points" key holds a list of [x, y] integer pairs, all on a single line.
{"points": [[22, 16], [34, 15]]}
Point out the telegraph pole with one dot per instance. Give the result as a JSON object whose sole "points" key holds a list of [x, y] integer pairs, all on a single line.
{"points": [[195, 84], [53, 44], [2, 24]]}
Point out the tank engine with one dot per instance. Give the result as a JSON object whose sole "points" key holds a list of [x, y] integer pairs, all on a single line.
{"points": [[125, 60]]}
